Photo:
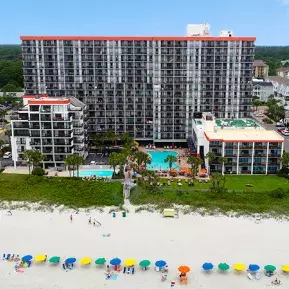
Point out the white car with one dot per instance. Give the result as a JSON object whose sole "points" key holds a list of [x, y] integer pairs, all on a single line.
{"points": [[7, 155], [285, 132]]}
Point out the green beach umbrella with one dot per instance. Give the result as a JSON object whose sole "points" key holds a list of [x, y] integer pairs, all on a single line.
{"points": [[54, 259], [223, 266], [100, 261], [145, 263], [270, 268]]}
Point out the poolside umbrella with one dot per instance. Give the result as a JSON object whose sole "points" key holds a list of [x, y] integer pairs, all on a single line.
{"points": [[239, 267], [54, 259], [70, 260], [223, 266], [100, 261], [160, 263], [270, 268], [208, 266], [40, 258], [27, 258], [253, 267], [85, 261], [144, 263], [129, 262], [184, 269], [115, 261], [285, 268]]}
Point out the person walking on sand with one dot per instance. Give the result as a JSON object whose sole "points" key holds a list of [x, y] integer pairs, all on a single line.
{"points": [[70, 218], [89, 221]]}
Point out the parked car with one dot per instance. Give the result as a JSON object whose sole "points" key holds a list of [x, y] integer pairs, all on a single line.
{"points": [[280, 129], [7, 155], [280, 124], [285, 132]]}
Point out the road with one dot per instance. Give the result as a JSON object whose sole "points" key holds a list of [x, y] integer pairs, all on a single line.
{"points": [[273, 127]]}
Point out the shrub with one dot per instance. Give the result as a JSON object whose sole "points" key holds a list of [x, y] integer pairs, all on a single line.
{"points": [[284, 172], [278, 194], [38, 172], [267, 120]]}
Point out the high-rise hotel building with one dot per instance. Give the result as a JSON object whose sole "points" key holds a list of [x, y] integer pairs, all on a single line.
{"points": [[151, 87]]}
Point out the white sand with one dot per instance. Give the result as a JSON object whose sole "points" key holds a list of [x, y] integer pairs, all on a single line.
{"points": [[189, 240]]}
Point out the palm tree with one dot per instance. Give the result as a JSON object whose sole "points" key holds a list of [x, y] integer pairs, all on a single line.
{"points": [[222, 161], [171, 160], [98, 140], [115, 160], [210, 156], [141, 158], [69, 162], [110, 136], [78, 160], [195, 163], [27, 157], [33, 158]]}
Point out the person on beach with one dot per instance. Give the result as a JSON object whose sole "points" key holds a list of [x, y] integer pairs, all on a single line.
{"points": [[89, 221], [70, 218]]}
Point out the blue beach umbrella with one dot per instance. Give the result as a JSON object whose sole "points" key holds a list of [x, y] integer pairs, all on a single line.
{"points": [[70, 260], [115, 261], [161, 263], [253, 267], [208, 266], [27, 258]]}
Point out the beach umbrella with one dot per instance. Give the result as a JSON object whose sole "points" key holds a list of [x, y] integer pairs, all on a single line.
{"points": [[270, 268], [239, 267], [85, 261], [160, 263], [253, 267], [223, 266], [54, 259], [144, 263], [70, 260], [129, 262], [208, 266], [100, 261], [40, 258], [115, 261], [184, 269], [27, 258], [285, 268]]}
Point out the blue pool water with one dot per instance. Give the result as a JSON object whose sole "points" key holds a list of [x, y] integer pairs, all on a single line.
{"points": [[158, 160], [97, 173]]}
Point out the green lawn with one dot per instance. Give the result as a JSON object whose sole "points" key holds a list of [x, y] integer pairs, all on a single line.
{"points": [[60, 191], [260, 183], [261, 198]]}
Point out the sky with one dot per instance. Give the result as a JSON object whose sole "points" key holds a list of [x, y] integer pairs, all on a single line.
{"points": [[265, 19]]}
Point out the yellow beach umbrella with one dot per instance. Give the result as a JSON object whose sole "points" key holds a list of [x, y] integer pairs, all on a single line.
{"points": [[85, 261], [239, 267], [40, 258], [129, 262], [285, 268]]}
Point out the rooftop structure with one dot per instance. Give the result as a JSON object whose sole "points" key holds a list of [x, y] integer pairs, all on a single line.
{"points": [[55, 126], [147, 86], [261, 69], [248, 147]]}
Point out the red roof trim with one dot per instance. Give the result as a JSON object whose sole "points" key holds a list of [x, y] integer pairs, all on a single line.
{"points": [[149, 38], [39, 101]]}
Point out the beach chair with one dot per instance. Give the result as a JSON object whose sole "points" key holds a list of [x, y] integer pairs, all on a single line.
{"points": [[128, 270], [132, 270], [72, 266], [63, 266], [3, 257], [184, 280], [8, 256], [29, 263], [124, 269], [158, 269]]}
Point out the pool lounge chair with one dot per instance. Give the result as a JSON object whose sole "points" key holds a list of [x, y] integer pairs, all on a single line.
{"points": [[124, 269], [128, 270], [8, 256], [132, 270]]}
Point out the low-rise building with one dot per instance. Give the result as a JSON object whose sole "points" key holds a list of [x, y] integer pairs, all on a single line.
{"points": [[262, 89], [248, 147], [260, 69], [280, 87], [55, 126], [283, 72]]}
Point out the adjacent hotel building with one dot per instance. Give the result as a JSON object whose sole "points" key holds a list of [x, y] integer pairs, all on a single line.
{"points": [[55, 126], [248, 147], [150, 87]]}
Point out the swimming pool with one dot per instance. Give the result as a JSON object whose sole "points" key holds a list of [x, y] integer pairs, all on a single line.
{"points": [[97, 173], [158, 160]]}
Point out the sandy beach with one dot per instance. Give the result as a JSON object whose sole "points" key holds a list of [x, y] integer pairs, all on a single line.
{"points": [[190, 240]]}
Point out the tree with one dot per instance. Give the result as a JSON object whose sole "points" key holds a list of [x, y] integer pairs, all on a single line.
{"points": [[171, 160], [98, 140], [210, 156], [33, 158], [69, 162], [195, 163], [141, 158], [110, 136], [285, 160], [222, 161], [257, 103], [78, 161], [73, 162], [218, 182], [116, 159]]}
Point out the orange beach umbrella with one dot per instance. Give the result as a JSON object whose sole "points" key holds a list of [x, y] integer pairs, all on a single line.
{"points": [[184, 269]]}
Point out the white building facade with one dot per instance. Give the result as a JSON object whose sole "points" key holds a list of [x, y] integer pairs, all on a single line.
{"points": [[54, 126]]}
